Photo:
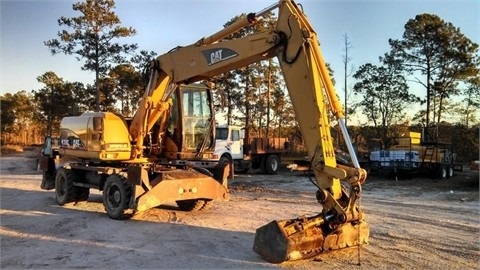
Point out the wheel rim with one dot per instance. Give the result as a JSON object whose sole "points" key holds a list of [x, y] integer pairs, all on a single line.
{"points": [[274, 165], [114, 196]]}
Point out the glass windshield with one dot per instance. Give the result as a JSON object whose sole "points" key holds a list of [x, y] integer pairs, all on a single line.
{"points": [[197, 115], [221, 133]]}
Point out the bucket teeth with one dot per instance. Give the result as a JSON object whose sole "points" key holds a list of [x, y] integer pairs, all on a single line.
{"points": [[275, 246]]}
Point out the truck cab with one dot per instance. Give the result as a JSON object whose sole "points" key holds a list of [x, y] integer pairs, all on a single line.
{"points": [[232, 144], [229, 142]]}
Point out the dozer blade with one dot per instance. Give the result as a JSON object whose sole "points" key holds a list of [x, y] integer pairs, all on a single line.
{"points": [[279, 241]]}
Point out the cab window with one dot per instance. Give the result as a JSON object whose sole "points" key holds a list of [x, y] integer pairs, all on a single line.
{"points": [[235, 135]]}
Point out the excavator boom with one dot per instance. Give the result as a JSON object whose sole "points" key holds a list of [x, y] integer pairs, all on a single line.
{"points": [[294, 42]]}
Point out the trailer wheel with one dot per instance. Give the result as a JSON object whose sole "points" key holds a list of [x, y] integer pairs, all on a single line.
{"points": [[272, 163], [116, 196], [450, 171], [65, 191], [190, 205], [443, 172]]}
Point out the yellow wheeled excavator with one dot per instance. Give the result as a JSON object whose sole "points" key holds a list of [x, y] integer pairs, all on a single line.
{"points": [[131, 159]]}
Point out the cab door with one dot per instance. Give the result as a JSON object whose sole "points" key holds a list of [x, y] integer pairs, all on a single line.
{"points": [[236, 146]]}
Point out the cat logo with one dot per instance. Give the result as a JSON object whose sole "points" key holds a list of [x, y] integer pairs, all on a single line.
{"points": [[214, 56]]}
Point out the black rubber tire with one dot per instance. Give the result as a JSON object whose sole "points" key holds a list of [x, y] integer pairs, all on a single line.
{"points": [[204, 171], [208, 204], [82, 194], [191, 205], [228, 159], [450, 172], [117, 193], [65, 191], [272, 164], [48, 180], [442, 173]]}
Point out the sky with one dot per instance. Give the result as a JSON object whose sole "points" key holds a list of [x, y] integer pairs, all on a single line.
{"points": [[164, 24]]}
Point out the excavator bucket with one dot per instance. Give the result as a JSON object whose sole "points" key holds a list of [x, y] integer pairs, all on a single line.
{"points": [[288, 240]]}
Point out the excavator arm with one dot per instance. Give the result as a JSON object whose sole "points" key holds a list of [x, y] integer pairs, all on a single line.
{"points": [[294, 42]]}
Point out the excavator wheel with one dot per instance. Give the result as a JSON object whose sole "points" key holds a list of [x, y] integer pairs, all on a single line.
{"points": [[82, 194], [117, 193], [48, 180], [196, 205], [191, 205], [225, 159], [208, 204], [65, 191], [47, 165], [203, 170]]}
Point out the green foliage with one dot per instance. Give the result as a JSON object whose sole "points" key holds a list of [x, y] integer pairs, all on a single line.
{"points": [[17, 112], [471, 102], [254, 96], [127, 85], [437, 50], [465, 142], [141, 63], [385, 95], [7, 112], [92, 39], [56, 100]]}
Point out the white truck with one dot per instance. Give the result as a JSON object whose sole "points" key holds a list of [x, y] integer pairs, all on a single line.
{"points": [[235, 147]]}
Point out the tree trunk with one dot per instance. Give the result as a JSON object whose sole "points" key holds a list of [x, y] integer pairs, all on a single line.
{"points": [[427, 120]]}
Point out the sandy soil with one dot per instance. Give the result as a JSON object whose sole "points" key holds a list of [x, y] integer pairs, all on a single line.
{"points": [[415, 224]]}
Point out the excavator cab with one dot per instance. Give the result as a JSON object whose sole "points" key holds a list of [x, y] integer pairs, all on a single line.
{"points": [[185, 131], [190, 128]]}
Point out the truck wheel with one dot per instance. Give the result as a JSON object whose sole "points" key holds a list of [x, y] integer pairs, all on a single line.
{"points": [[272, 163], [116, 196], [65, 191], [449, 171], [443, 172], [190, 205]]}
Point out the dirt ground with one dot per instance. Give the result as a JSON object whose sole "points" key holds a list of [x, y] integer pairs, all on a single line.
{"points": [[415, 224]]}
